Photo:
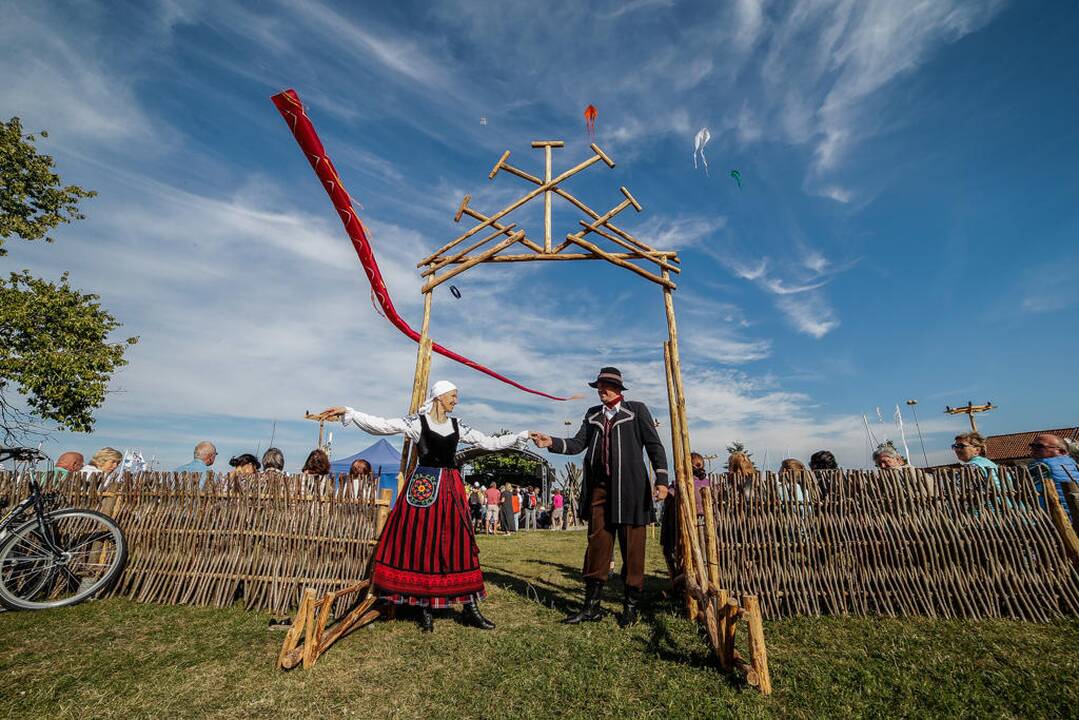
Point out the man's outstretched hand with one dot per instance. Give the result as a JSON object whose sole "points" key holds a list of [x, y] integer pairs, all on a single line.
{"points": [[541, 440]]}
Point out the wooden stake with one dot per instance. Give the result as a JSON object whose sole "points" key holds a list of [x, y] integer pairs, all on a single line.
{"points": [[686, 553], [1060, 519], [758, 653], [310, 647]]}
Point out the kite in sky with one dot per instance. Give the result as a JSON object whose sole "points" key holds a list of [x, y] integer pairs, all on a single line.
{"points": [[702, 138], [455, 292], [737, 178], [590, 114], [292, 110]]}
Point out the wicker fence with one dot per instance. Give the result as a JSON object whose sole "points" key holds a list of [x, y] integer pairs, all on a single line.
{"points": [[261, 541], [893, 543]]}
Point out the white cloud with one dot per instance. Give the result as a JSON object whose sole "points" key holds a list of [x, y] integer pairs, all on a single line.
{"points": [[624, 8], [839, 194], [57, 82], [749, 272], [816, 262], [827, 61], [809, 313]]}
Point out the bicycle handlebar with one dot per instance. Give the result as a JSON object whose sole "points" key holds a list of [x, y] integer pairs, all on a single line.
{"points": [[22, 454]]}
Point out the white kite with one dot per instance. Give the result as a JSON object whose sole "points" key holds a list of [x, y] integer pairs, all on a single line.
{"points": [[702, 138]]}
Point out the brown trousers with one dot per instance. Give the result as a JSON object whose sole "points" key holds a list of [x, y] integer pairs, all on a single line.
{"points": [[597, 557]]}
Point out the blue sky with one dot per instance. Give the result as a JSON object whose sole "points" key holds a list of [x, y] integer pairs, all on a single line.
{"points": [[907, 228]]}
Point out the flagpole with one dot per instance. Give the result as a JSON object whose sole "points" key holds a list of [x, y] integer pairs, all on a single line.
{"points": [[912, 403]]}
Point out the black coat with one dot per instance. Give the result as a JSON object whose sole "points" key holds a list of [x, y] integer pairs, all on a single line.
{"points": [[629, 495]]}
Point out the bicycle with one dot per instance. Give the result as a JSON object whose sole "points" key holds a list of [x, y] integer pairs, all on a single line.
{"points": [[58, 557]]}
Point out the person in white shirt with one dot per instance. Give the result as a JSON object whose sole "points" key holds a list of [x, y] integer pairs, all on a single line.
{"points": [[427, 554]]}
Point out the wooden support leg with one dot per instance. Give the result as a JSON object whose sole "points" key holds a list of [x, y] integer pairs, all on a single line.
{"points": [[292, 638], [758, 653], [310, 647]]}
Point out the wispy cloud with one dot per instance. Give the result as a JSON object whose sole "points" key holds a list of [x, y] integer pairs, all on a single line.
{"points": [[635, 5], [809, 313]]}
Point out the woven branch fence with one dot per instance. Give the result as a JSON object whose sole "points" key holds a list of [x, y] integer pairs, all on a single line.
{"points": [[260, 541], [894, 543]]}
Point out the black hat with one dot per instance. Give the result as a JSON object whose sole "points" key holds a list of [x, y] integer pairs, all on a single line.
{"points": [[609, 374], [245, 459]]}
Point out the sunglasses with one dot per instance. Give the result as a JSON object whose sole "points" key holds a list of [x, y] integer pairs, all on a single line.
{"points": [[960, 446], [1041, 446]]}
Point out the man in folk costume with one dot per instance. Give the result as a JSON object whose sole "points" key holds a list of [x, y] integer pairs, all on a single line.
{"points": [[617, 498], [427, 554]]}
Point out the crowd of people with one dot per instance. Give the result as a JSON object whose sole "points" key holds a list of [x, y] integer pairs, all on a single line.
{"points": [[511, 508], [1053, 461]]}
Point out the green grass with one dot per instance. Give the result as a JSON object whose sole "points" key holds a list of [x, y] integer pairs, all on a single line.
{"points": [[118, 659]]}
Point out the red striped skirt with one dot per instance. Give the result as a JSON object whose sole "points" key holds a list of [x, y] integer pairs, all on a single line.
{"points": [[427, 553]]}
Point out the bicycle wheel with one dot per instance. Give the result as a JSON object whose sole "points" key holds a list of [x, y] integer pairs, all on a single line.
{"points": [[90, 553]]}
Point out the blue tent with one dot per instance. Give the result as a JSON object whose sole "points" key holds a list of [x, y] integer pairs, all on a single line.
{"points": [[385, 462]]}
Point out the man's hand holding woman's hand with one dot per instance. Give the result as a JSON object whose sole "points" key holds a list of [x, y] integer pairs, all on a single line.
{"points": [[331, 414]]}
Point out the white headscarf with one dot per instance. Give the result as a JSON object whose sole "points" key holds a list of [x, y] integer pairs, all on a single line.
{"points": [[439, 388]]}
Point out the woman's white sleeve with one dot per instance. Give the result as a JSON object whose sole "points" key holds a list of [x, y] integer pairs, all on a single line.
{"points": [[407, 426], [498, 442]]}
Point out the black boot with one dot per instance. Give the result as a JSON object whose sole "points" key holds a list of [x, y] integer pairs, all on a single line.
{"points": [[592, 611], [427, 619], [472, 616], [630, 605]]}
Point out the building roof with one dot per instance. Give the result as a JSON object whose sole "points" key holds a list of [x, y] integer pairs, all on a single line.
{"points": [[1014, 446]]}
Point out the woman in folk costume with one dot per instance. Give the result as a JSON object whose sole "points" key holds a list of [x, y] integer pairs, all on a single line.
{"points": [[427, 554]]}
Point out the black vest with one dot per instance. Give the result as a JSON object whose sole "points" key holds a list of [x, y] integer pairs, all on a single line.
{"points": [[437, 451]]}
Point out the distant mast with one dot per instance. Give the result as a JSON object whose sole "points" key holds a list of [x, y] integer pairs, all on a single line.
{"points": [[970, 410]]}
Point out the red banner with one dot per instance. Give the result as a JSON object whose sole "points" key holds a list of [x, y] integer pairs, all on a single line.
{"points": [[289, 105]]}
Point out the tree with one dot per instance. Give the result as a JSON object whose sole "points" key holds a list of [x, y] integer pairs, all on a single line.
{"points": [[505, 463], [54, 347], [33, 199]]}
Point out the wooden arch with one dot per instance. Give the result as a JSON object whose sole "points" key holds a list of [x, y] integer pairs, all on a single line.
{"points": [[598, 238]]}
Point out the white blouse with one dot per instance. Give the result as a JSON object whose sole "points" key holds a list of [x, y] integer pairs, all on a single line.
{"points": [[410, 427]]}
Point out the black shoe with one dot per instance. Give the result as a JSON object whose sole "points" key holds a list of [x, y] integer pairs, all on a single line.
{"points": [[630, 613], [592, 610], [427, 620], [472, 616]]}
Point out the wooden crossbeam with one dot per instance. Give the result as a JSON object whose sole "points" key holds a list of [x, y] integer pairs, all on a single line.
{"points": [[436, 280], [589, 227], [544, 257], [595, 249], [466, 209], [654, 257], [596, 157], [502, 165], [442, 262]]}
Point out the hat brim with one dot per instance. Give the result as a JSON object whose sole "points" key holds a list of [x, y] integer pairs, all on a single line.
{"points": [[596, 383]]}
